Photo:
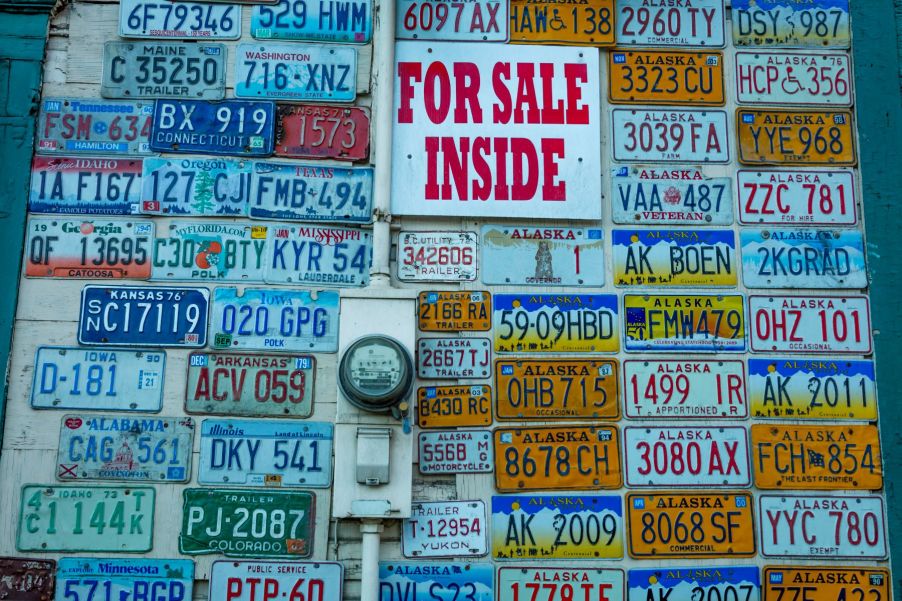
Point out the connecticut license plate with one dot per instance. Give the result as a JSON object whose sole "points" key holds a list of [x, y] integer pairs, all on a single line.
{"points": [[85, 186], [454, 311], [479, 21], [684, 323], [178, 20], [798, 197], [296, 72], [455, 452], [644, 23], [810, 324], [412, 581], [775, 137], [170, 579], [453, 406], [163, 70], [540, 323], [308, 580], [327, 21], [776, 23], [231, 127], [196, 187], [437, 256], [543, 22], [826, 582], [704, 389], [445, 529], [311, 131], [210, 251], [776, 78], [660, 196], [452, 358], [707, 582], [93, 126], [646, 77], [665, 136], [675, 257], [551, 256]]}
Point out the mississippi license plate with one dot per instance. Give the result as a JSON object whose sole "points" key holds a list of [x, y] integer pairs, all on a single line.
{"points": [[775, 137], [810, 324], [647, 77], [170, 579], [665, 136], [178, 20], [644, 23], [561, 458], [705, 582], [241, 523], [313, 255], [572, 323], [674, 257], [542, 256], [313, 581], [775, 23], [704, 389], [686, 456], [311, 131], [776, 78], [95, 249], [684, 323], [528, 527], [454, 406], [652, 196], [84, 186], [797, 388], [679, 525], [836, 527], [196, 187], [210, 251], [799, 197], [296, 72], [107, 447], [478, 21], [454, 311], [452, 358], [412, 581], [28, 579], [554, 584], [93, 126], [455, 452], [231, 127], [270, 319], [163, 70], [544, 22], [826, 582], [327, 21], [445, 529], [555, 389], [255, 385], [437, 256], [86, 518]]}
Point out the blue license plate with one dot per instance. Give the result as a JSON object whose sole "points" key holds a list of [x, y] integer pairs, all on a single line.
{"points": [[85, 186], [296, 72], [345, 21], [165, 20], [93, 126], [231, 127], [699, 582], [318, 256], [79, 578], [196, 187]]}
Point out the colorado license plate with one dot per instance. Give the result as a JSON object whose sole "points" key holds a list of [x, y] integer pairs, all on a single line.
{"points": [[93, 126], [313, 581], [799, 197], [455, 452], [647, 77], [810, 324], [826, 582], [776, 78], [163, 70], [170, 579], [321, 131], [452, 358], [664, 136], [684, 323], [231, 127], [705, 389], [437, 256], [85, 186], [479, 21], [296, 72], [316, 255], [706, 582], [327, 21], [177, 21], [652, 196], [543, 22], [454, 311], [453, 406], [28, 579], [210, 251], [674, 257], [196, 187], [643, 23], [409, 581], [572, 323], [775, 23], [775, 137], [445, 529]]}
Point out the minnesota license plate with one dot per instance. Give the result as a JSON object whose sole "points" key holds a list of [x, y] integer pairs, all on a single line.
{"points": [[647, 77], [775, 23], [210, 251], [687, 388], [665, 136], [163, 70], [810, 324], [542, 256], [544, 22], [453, 406], [775, 137], [311, 131], [572, 323], [826, 582], [684, 323], [327, 21], [445, 529], [675, 257], [238, 580], [437, 256], [455, 452], [178, 20], [479, 21], [196, 187], [313, 255], [776, 78], [652, 196], [644, 23], [170, 579], [452, 358], [799, 197], [454, 311], [85, 186], [413, 581], [230, 127], [28, 579], [554, 584], [705, 582], [94, 126], [296, 72]]}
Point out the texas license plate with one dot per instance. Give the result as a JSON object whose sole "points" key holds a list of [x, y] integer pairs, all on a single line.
{"points": [[543, 22], [86, 518], [412, 581], [684, 323], [556, 584], [311, 131], [28, 579], [85, 186], [437, 256], [798, 197], [163, 70], [644, 23], [327, 21], [454, 406], [826, 582], [652, 196], [95, 249], [454, 311], [210, 251], [296, 72], [231, 127], [478, 21], [455, 452], [452, 358], [94, 126], [782, 137], [675, 257], [776, 78], [571, 323], [687, 388], [445, 529], [552, 256], [196, 187], [810, 324], [665, 136], [707, 582], [170, 579], [308, 580], [647, 77], [178, 20], [313, 255], [774, 23]]}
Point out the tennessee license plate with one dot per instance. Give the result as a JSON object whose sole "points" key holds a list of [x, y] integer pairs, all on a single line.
{"points": [[93, 126], [652, 196], [85, 186], [798, 197], [704, 389], [314, 255], [230, 127], [555, 584], [643, 23], [675, 257], [774, 23], [572, 323], [196, 187], [296, 72], [310, 131], [454, 310], [453, 406], [178, 20], [708, 582], [684, 323], [412, 581], [163, 69], [455, 452], [29, 579], [313, 581], [775, 137], [437, 256], [647, 77], [665, 136], [810, 324], [543, 22], [479, 21], [452, 358], [826, 582], [777, 78], [445, 529], [327, 21], [210, 251], [78, 577]]}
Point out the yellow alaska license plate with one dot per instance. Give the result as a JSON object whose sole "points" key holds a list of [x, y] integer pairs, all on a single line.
{"points": [[682, 323], [675, 257], [650, 77], [454, 406], [454, 311], [590, 22], [772, 137], [826, 583]]}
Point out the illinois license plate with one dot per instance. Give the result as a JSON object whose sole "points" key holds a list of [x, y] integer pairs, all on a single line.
{"points": [[683, 323], [572, 323], [543, 22], [479, 21], [799, 197], [28, 579], [296, 72], [213, 251], [774, 23], [94, 126], [708, 582], [562, 458], [196, 187], [231, 127], [644, 23], [412, 581], [690, 525], [556, 389], [85, 186], [647, 77], [542, 256], [810, 324], [163, 69], [555, 584], [178, 20], [455, 452], [705, 389], [674, 257], [826, 582], [78, 577], [445, 529], [310, 131], [652, 196], [328, 21], [793, 78], [86, 518], [107, 447], [452, 358], [664, 136], [238, 580], [314, 255], [453, 406], [437, 256], [454, 311], [775, 137]]}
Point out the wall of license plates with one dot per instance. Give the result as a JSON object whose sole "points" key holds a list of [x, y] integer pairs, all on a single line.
{"points": [[634, 227]]}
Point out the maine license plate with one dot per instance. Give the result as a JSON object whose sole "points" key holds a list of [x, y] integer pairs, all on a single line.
{"points": [[543, 22], [241, 523], [196, 187], [551, 584], [793, 78], [308, 580], [86, 518], [107, 447], [322, 131], [313, 255], [479, 21], [542, 257], [275, 319], [529, 527], [675, 257], [647, 77], [826, 582], [574, 457], [836, 527], [684, 323], [412, 581], [798, 388], [686, 456], [665, 136], [799, 197], [231, 127], [250, 385], [775, 137], [810, 324], [454, 311], [454, 406], [644, 23], [210, 251], [95, 249], [29, 579], [571, 323], [445, 529], [163, 70], [707, 582], [686, 388], [680, 525], [296, 72], [452, 358], [178, 20], [776, 23], [143, 316], [553, 389], [455, 452], [652, 196], [437, 256], [85, 186], [93, 126], [170, 579], [327, 21]]}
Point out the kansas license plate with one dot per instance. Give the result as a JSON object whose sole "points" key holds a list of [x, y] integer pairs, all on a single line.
{"points": [[313, 581], [210, 251], [776, 78], [544, 22], [454, 406], [571, 323], [782, 137], [644, 23], [413, 581], [28, 579], [170, 579], [684, 323], [704, 582], [674, 257], [550, 256], [93, 126], [196, 187], [799, 197], [652, 196], [452, 358], [86, 518], [664, 136], [810, 324], [478, 21], [311, 131], [647, 77], [231, 127], [437, 256], [296, 72], [314, 255], [454, 311], [85, 186], [178, 20], [163, 70], [775, 23], [327, 21], [445, 529], [107, 447], [826, 582], [687, 388], [554, 584], [455, 452]]}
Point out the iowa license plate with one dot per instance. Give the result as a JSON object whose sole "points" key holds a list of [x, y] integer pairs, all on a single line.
{"points": [[826, 582], [313, 255], [238, 580], [28, 579], [445, 529], [775, 23], [554, 584], [647, 77], [437, 256], [93, 126], [453, 406], [543, 22], [412, 581], [196, 187], [774, 137], [311, 131], [85, 186], [645, 195], [78, 577], [707, 582], [231, 127], [810, 324], [163, 70], [675, 257], [665, 136], [210, 251], [644, 23], [452, 358], [479, 21], [328, 21], [572, 323], [685, 388], [455, 452], [777, 78], [296, 72], [178, 20], [684, 323], [798, 197], [454, 311]]}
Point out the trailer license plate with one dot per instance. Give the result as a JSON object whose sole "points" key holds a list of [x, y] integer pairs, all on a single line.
{"points": [[675, 257], [546, 323], [437, 256], [684, 323], [445, 529], [452, 358], [454, 311], [85, 186], [454, 406], [775, 137], [681, 389], [810, 324], [150, 70]]}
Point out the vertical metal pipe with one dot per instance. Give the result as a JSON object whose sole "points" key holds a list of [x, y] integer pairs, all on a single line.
{"points": [[371, 531]]}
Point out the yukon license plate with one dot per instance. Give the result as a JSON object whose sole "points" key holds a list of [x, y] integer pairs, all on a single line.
{"points": [[322, 131], [674, 257], [479, 21], [775, 23], [826, 582], [687, 388], [163, 70], [454, 406], [775, 137], [313, 581], [665, 136], [314, 255], [810, 324], [652, 196], [210, 251], [29, 579], [798, 197], [327, 21], [437, 256], [555, 584], [445, 529], [708, 582], [455, 452], [572, 323], [177, 21], [85, 186], [78, 577], [542, 257], [93, 126], [196, 187], [777, 78], [543, 22], [231, 127], [684, 323], [647, 77], [296, 72], [643, 23], [452, 358], [439, 580], [454, 311]]}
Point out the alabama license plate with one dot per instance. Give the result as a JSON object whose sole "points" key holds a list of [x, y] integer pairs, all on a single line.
{"points": [[452, 358], [653, 196], [706, 582], [544, 22], [776, 78], [170, 579], [810, 324], [478, 21], [647, 77], [445, 529], [29, 579], [675, 257], [313, 255], [138, 69], [296, 72], [644, 23], [548, 256], [798, 197], [455, 452], [454, 406], [783, 137], [824, 582], [210, 251], [322, 131], [556, 584], [665, 136], [327, 21], [163, 20], [454, 311], [230, 127], [94, 126], [305, 580], [545, 323], [775, 23], [85, 186], [684, 323], [684, 389], [414, 581], [437, 256], [196, 187]]}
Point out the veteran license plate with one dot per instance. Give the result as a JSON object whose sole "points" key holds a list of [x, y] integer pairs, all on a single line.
{"points": [[437, 256], [296, 72], [28, 579], [170, 579], [178, 20], [315, 255], [230, 127], [675, 257], [322, 131], [210, 251], [454, 311], [327, 21], [540, 323], [776, 23], [652, 196], [647, 77], [681, 389], [544, 22], [665, 136], [455, 452], [774, 137], [452, 358], [810, 324], [684, 323], [643, 23], [776, 78], [704, 582], [454, 406], [412, 581], [138, 69], [307, 580], [826, 582], [800, 197], [478, 21], [85, 186], [555, 584], [196, 187], [94, 126], [445, 529]]}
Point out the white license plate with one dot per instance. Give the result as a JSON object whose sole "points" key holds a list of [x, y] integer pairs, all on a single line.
{"points": [[478, 21], [684, 389], [676, 24], [312, 255], [437, 256], [296, 72], [793, 78], [210, 251], [139, 69], [452, 358], [445, 529], [661, 196], [559, 584], [810, 324], [798, 197], [455, 452], [178, 20], [656, 136], [300, 580]]}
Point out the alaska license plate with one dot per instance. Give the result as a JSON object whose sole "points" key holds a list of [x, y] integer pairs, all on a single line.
{"points": [[648, 77], [210, 251], [138, 69], [798, 197], [230, 127], [544, 22], [94, 126], [296, 72], [314, 255], [454, 406], [675, 257], [545, 323], [85, 186], [644, 23], [684, 323], [437, 256], [783, 137], [775, 23], [665, 136], [556, 584], [478, 21], [776, 78], [413, 581], [684, 389], [702, 582], [810, 324], [454, 311], [322, 131], [28, 579], [170, 579], [307, 580], [327, 21], [452, 358], [653, 196], [178, 20], [822, 582], [455, 452], [445, 529], [196, 187]]}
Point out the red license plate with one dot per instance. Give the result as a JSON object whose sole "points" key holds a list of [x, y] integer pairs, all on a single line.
{"points": [[811, 324], [322, 132]]}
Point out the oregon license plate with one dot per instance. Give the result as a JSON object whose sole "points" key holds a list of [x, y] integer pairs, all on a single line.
{"points": [[777, 78], [210, 251], [706, 582], [479, 21], [311, 131], [687, 388], [437, 256], [550, 256], [575, 457], [647, 77], [826, 582], [775, 137], [445, 529], [675, 257], [665, 136], [412, 581], [544, 22], [93, 126], [684, 323], [196, 187], [555, 584], [28, 579], [452, 358], [644, 23], [455, 452], [799, 197], [85, 186], [775, 23], [315, 255], [571, 323], [454, 311], [679, 525], [551, 389], [454, 406], [178, 20], [810, 324], [313, 581], [170, 579], [652, 196], [163, 70], [296, 72], [328, 21], [231, 127]]}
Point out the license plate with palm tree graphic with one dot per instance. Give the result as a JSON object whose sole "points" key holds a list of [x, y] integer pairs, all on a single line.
{"points": [[210, 251]]}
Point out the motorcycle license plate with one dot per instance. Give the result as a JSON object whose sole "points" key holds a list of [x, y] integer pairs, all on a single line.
{"points": [[454, 311], [321, 131], [178, 21], [78, 577], [196, 187], [85, 186], [314, 255], [328, 21], [28, 579], [230, 127], [700, 23], [453, 406], [665, 136], [775, 137], [680, 389], [798, 197], [684, 323], [733, 582], [572, 323], [543, 22], [675, 257], [478, 21], [452, 358], [455, 452], [774, 23], [296, 72], [810, 324], [826, 582], [238, 580], [442, 580], [203, 250], [437, 256], [647, 77], [163, 69], [94, 126], [776, 78], [652, 196], [445, 529]]}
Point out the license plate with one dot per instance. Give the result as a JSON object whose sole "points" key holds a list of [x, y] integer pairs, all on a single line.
{"points": [[437, 256], [803, 258], [681, 389], [455, 452], [683, 258], [478, 21], [643, 23], [143, 316], [270, 319], [544, 22], [555, 584], [327, 21], [454, 311], [452, 358], [774, 137], [775, 23], [800, 197], [810, 324], [684, 323], [210, 251], [543, 257], [812, 389], [680, 525], [86, 518], [826, 582], [163, 70], [170, 579], [310, 131], [454, 406], [296, 72], [708, 582], [574, 457], [298, 192], [445, 529], [572, 323], [793, 78], [647, 77], [29, 579], [92, 125], [313, 581], [835, 527], [230, 127], [255, 385], [436, 580], [556, 389], [196, 187], [686, 456], [528, 527], [313, 255], [85, 186], [95, 249], [652, 196], [242, 523], [664, 136], [178, 20]]}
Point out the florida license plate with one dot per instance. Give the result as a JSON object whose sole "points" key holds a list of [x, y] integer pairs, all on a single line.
{"points": [[314, 255], [810, 324], [328, 21], [823, 582], [322, 131], [309, 580], [452, 358], [413, 581], [28, 579], [540, 323], [85, 186], [454, 311], [798, 197], [479, 21], [210, 251], [543, 22], [178, 20], [684, 323], [686, 388], [555, 584], [445, 529], [651, 196], [138, 69], [707, 582], [675, 257], [665, 136], [296, 72], [196, 187], [437, 256], [647, 77], [455, 452], [774, 23], [776, 78], [542, 256], [94, 126], [170, 579], [230, 127], [783, 137], [643, 23], [453, 406]]}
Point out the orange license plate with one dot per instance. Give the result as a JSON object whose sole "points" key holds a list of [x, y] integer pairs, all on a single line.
{"points": [[826, 583], [454, 311], [454, 406], [771, 137], [590, 22], [648, 77]]}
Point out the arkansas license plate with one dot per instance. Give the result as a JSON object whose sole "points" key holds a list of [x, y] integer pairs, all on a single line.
{"points": [[314, 255], [221, 252], [562, 458], [455, 452], [196, 187], [647, 77], [85, 186], [799, 197], [178, 21], [774, 137], [29, 579], [479, 21], [445, 529], [776, 78], [700, 23], [543, 22], [313, 581], [311, 131], [684, 323], [542, 257], [454, 311], [454, 406], [412, 581], [163, 69], [810, 324], [437, 256], [681, 389], [327, 21], [94, 126], [296, 72], [572, 323], [665, 136], [554, 584], [652, 196], [170, 579], [682, 258], [452, 358], [826, 582], [231, 127], [774, 23], [707, 582]]}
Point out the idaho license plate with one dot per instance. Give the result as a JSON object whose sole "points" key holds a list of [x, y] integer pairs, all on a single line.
{"points": [[543, 22], [686, 388], [648, 77], [78, 577], [210, 251], [94, 126], [445, 529], [85, 186], [454, 311], [163, 70], [810, 324], [775, 137], [774, 23], [572, 323], [321, 131], [313, 581], [28, 579], [708, 582], [453, 406], [453, 358], [643, 23], [412, 581], [328, 21], [437, 256], [315, 255], [178, 20], [684, 323], [231, 127], [455, 452], [674, 257], [798, 197], [479, 21], [296, 72], [196, 187], [776, 78], [826, 582], [665, 136], [652, 196], [555, 584]]}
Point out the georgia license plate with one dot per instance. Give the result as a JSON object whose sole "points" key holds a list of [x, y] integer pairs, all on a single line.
{"points": [[445, 529], [454, 311], [679, 525], [107, 447], [681, 389], [296, 72], [308, 580], [230, 127], [327, 21], [543, 22], [665, 136], [94, 249], [29, 579], [798, 388], [452, 358], [210, 251], [311, 131], [85, 186], [542, 257], [413, 581], [478, 21], [553, 389], [776, 78], [799, 197], [675, 257], [196, 187], [170, 579], [556, 584], [572, 323], [455, 452], [92, 125], [86, 518], [652, 196], [437, 256], [775, 137], [836, 527], [647, 77], [684, 323], [314, 255], [527, 527], [775, 23], [178, 20], [810, 324], [163, 70], [826, 582], [454, 406], [644, 23], [704, 582], [143, 316], [242, 523]]}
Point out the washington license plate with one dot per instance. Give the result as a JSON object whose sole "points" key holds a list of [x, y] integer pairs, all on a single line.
{"points": [[647, 77], [93, 126], [29, 579], [810, 324], [652, 196], [540, 323], [163, 70], [542, 256], [178, 20], [455, 452], [412, 581], [437, 256], [684, 323], [85, 186], [445, 529], [775, 137], [454, 311], [775, 23], [196, 187], [452, 358], [681, 389], [210, 251], [643, 23], [543, 22], [170, 579], [296, 72], [308, 580], [453, 406], [231, 127], [776, 78], [665, 136], [799, 197], [675, 257], [479, 21], [554, 584], [327, 21], [321, 131], [824, 582], [314, 255], [707, 582]]}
